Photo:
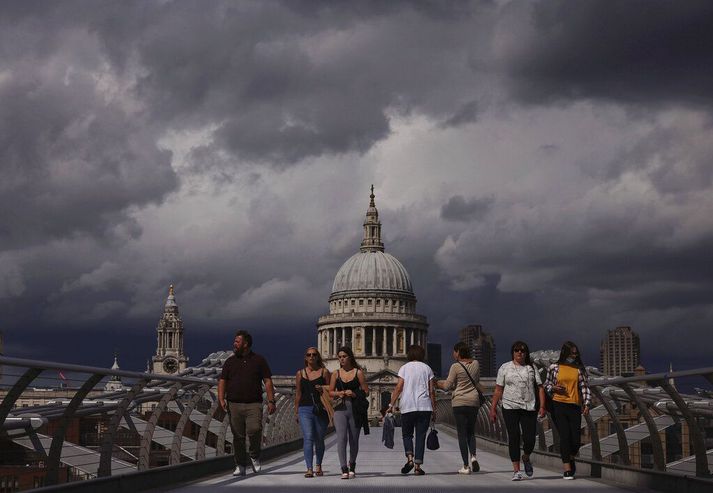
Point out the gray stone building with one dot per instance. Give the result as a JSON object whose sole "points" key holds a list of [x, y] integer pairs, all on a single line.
{"points": [[170, 357], [372, 309]]}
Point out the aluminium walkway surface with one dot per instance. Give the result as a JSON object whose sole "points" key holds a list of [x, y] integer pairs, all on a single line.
{"points": [[378, 470]]}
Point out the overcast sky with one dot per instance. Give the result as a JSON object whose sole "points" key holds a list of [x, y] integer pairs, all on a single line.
{"points": [[543, 169]]}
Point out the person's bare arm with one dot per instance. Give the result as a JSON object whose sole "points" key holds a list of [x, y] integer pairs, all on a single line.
{"points": [[333, 392], [494, 404], [221, 394], [397, 392], [543, 410], [298, 391], [270, 390], [432, 393], [362, 382]]}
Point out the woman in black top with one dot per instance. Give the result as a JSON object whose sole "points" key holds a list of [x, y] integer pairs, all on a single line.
{"points": [[308, 384], [349, 385]]}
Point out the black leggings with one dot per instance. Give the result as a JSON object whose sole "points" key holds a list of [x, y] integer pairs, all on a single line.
{"points": [[568, 420], [465, 424], [514, 420]]}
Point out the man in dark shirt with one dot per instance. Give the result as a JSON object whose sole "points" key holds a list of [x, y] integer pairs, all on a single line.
{"points": [[240, 395]]}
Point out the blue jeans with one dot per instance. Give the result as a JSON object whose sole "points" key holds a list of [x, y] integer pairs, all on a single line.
{"points": [[314, 429], [418, 420]]}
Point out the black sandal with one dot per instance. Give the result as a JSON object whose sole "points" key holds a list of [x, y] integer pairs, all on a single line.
{"points": [[419, 472], [407, 467]]}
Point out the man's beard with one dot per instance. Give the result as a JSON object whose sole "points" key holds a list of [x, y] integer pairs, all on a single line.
{"points": [[239, 352]]}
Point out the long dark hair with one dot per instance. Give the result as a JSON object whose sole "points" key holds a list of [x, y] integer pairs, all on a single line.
{"points": [[566, 352], [350, 354], [320, 363], [521, 345]]}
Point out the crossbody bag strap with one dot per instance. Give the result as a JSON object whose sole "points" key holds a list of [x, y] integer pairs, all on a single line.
{"points": [[481, 397], [475, 386]]}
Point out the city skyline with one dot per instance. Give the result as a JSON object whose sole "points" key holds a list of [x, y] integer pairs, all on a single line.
{"points": [[541, 171]]}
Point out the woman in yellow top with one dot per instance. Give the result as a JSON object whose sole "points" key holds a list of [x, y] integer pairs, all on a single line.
{"points": [[568, 387]]}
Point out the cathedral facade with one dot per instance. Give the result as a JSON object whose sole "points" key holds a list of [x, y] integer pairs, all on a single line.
{"points": [[372, 309]]}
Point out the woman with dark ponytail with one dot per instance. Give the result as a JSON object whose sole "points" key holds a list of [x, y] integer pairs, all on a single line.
{"points": [[567, 384]]}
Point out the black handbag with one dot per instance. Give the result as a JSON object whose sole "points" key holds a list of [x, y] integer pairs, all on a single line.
{"points": [[318, 408], [432, 440]]}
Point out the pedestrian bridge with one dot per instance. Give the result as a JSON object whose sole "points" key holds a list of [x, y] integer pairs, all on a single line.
{"points": [[81, 428], [378, 470]]}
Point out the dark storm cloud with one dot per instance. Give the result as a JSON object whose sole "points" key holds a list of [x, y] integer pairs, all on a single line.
{"points": [[72, 160], [635, 51], [459, 209], [262, 89], [468, 113], [280, 82]]}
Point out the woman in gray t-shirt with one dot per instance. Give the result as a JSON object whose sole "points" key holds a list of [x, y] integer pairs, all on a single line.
{"points": [[515, 385]]}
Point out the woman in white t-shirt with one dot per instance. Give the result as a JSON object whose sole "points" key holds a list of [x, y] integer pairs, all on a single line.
{"points": [[515, 385], [418, 401]]}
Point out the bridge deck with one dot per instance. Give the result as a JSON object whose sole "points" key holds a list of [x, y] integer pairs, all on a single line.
{"points": [[378, 469]]}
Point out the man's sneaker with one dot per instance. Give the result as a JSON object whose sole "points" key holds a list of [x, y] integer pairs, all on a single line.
{"points": [[528, 467], [257, 467], [464, 470], [573, 465], [474, 466], [568, 475], [345, 473], [239, 471], [352, 470], [516, 476]]}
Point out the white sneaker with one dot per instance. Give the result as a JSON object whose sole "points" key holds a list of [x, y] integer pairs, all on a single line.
{"points": [[256, 465], [352, 474], [239, 471], [516, 476], [464, 470]]}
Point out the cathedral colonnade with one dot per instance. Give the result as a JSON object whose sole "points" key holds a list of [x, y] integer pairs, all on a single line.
{"points": [[370, 340]]}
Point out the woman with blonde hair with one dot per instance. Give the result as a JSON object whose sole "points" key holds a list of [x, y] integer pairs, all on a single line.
{"points": [[310, 411]]}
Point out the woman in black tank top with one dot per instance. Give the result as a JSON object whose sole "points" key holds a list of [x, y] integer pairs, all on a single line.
{"points": [[349, 385], [308, 391]]}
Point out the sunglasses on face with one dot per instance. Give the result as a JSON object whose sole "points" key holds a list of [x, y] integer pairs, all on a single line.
{"points": [[519, 350], [310, 355]]}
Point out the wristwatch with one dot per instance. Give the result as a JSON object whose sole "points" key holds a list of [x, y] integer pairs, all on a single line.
{"points": [[271, 402]]}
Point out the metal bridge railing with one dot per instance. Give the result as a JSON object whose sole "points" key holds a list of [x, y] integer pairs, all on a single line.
{"points": [[642, 421], [62, 422]]}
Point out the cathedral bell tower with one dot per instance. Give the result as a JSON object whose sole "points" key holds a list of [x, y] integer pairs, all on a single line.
{"points": [[169, 358]]}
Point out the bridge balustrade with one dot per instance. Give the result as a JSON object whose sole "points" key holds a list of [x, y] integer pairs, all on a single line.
{"points": [[61, 422], [643, 421]]}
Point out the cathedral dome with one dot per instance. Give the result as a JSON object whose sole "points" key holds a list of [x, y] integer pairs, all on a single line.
{"points": [[374, 271]]}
